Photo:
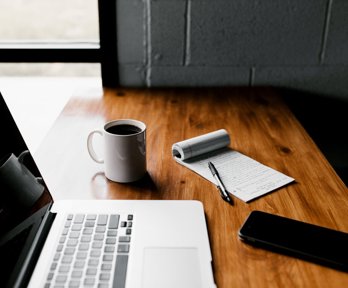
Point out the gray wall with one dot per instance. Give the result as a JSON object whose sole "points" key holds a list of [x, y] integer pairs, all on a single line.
{"points": [[301, 44]]}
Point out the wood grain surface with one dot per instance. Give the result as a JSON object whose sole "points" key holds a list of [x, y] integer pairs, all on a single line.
{"points": [[261, 127]]}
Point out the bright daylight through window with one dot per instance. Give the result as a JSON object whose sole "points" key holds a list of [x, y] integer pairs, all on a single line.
{"points": [[24, 22]]}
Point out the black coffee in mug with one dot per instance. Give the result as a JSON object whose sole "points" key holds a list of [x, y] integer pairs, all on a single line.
{"points": [[123, 129]]}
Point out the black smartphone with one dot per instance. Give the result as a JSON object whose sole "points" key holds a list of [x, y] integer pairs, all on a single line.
{"points": [[295, 238]]}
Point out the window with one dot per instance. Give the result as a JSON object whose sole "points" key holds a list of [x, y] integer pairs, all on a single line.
{"points": [[58, 31], [49, 20]]}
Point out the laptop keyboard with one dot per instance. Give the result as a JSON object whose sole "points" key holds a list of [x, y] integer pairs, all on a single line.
{"points": [[92, 251]]}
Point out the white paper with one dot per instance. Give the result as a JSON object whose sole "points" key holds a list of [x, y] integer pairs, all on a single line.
{"points": [[242, 176], [201, 144]]}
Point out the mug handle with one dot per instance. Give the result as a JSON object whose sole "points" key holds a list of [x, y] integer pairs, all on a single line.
{"points": [[21, 159], [22, 156], [90, 146]]}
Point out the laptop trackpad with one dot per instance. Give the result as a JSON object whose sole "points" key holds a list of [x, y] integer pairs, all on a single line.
{"points": [[171, 268]]}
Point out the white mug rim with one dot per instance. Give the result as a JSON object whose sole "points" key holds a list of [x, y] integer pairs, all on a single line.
{"points": [[141, 125]]}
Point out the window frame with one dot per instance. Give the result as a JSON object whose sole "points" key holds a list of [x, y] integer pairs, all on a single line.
{"points": [[104, 52]]}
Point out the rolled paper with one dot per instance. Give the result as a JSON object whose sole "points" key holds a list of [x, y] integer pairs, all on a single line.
{"points": [[201, 144]]}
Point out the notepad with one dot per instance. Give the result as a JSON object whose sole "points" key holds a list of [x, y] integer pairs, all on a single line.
{"points": [[242, 176]]}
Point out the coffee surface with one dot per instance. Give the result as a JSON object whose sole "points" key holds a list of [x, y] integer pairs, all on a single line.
{"points": [[124, 129]]}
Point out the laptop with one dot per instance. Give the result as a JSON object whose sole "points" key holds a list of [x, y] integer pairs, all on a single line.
{"points": [[97, 243]]}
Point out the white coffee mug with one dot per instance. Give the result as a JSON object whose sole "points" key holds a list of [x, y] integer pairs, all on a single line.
{"points": [[124, 150]]}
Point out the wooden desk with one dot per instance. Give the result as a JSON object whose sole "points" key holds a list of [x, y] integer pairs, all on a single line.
{"points": [[261, 127]]}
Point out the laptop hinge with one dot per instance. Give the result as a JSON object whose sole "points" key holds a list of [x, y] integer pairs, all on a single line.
{"points": [[29, 262]]}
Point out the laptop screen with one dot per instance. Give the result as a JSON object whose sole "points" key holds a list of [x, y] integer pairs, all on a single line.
{"points": [[24, 200]]}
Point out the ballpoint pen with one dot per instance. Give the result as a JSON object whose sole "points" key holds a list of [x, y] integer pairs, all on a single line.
{"points": [[219, 184]]}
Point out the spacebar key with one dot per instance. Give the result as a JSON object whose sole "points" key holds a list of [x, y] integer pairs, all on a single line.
{"points": [[120, 271]]}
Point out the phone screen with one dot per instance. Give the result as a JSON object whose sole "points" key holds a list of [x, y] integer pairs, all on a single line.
{"points": [[306, 241]]}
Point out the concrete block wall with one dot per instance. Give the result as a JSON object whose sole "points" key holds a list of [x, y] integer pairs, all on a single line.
{"points": [[288, 43]]}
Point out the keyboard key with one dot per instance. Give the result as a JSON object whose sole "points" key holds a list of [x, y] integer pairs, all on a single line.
{"points": [[89, 281], [87, 231], [72, 242], [110, 241], [67, 259], [65, 231], [79, 264], [91, 217], [93, 262], [91, 272], [109, 249], [81, 255], [114, 219], [69, 251], [108, 257], [95, 253], [64, 269], [86, 238], [79, 218], [112, 233], [54, 266], [99, 237], [104, 276], [123, 248], [90, 224], [61, 278], [76, 274], [74, 284], [120, 271], [97, 245], [100, 229], [83, 246], [74, 234], [56, 256], [76, 227], [102, 220], [124, 239], [106, 267], [130, 217], [60, 248]]}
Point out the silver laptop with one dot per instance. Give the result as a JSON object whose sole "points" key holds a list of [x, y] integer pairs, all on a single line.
{"points": [[95, 243]]}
